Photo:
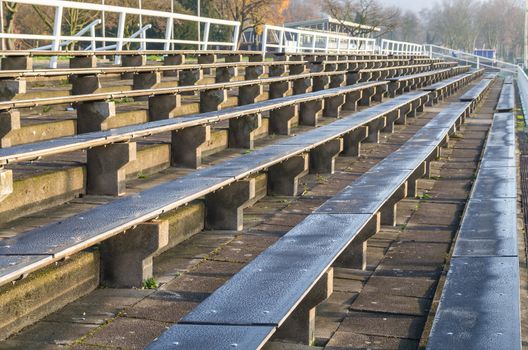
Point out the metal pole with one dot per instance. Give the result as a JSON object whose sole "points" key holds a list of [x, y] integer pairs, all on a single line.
{"points": [[103, 19], [198, 11], [526, 34], [2, 23], [172, 27], [140, 16]]}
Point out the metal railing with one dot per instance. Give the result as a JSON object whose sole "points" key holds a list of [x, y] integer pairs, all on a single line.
{"points": [[56, 38], [392, 47], [435, 51], [522, 84], [296, 40]]}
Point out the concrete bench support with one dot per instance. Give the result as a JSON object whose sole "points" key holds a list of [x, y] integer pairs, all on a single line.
{"points": [[283, 178], [190, 77], [333, 105], [366, 96], [249, 94], [337, 80], [412, 182], [404, 111], [233, 58], [242, 131], [381, 91], [85, 84], [253, 72], [163, 106], [9, 88], [132, 61], [126, 259], [322, 158], [299, 327], [351, 100], [211, 100], [83, 62], [352, 141], [225, 207], [297, 69], [389, 211], [391, 118], [9, 121], [310, 112], [173, 60], [321, 82], [146, 80], [226, 74], [186, 146], [106, 168], [394, 88], [207, 59], [355, 255], [93, 116], [6, 183], [279, 89], [374, 129], [278, 70], [281, 119], [302, 86], [17, 63]]}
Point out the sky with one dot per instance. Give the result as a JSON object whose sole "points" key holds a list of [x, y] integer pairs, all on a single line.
{"points": [[409, 4]]}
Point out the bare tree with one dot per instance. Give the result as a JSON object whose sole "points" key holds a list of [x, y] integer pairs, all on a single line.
{"points": [[364, 12], [251, 13]]}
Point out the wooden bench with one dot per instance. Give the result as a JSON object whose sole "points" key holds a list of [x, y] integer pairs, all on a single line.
{"points": [[506, 99], [282, 286], [404, 83], [227, 188], [13, 84], [476, 93], [443, 89], [94, 111], [480, 303]]}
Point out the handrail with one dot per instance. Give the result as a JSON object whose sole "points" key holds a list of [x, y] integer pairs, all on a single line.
{"points": [[458, 55], [522, 83], [400, 47], [342, 43], [90, 27], [57, 37]]}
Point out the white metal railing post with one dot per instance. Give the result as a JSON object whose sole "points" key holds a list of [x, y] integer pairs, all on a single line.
{"points": [[281, 40], [264, 39], [314, 40], [57, 27], [143, 44], [205, 38], [478, 62], [168, 33], [298, 44], [236, 36], [120, 36], [327, 39], [92, 34]]}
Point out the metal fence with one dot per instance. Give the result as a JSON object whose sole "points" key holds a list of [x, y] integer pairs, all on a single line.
{"points": [[57, 39], [435, 51], [392, 47], [522, 84], [281, 39]]}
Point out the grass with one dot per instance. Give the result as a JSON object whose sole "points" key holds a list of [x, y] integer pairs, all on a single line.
{"points": [[425, 196], [123, 100], [141, 175], [322, 179], [150, 283], [46, 109]]}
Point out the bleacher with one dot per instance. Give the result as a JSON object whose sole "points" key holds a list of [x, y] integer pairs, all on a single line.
{"points": [[99, 156]]}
